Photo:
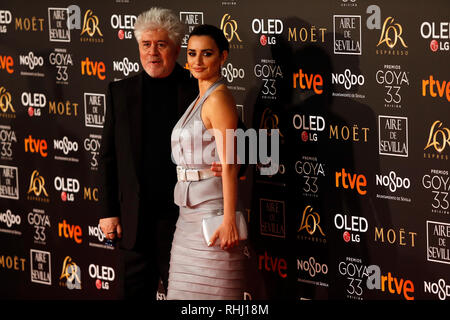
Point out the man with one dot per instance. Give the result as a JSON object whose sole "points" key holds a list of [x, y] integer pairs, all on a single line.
{"points": [[136, 170]]}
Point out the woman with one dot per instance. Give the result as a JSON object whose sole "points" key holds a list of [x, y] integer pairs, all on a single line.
{"points": [[199, 270]]}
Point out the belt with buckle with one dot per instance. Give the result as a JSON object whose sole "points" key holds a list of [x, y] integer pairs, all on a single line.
{"points": [[184, 174]]}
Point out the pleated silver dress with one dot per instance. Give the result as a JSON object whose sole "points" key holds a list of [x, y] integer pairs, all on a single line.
{"points": [[199, 272]]}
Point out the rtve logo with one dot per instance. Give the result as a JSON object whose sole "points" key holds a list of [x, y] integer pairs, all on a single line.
{"points": [[312, 82], [93, 68], [443, 87], [276, 265], [7, 63], [36, 146], [352, 181], [70, 231]]}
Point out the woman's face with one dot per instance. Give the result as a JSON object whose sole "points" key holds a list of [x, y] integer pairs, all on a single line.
{"points": [[203, 57]]}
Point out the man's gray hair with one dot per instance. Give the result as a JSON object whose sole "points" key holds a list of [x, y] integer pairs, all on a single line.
{"points": [[159, 18]]}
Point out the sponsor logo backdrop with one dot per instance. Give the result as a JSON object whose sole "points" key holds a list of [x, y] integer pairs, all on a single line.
{"points": [[360, 91]]}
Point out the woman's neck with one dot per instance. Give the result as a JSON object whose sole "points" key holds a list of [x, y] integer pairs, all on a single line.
{"points": [[203, 85]]}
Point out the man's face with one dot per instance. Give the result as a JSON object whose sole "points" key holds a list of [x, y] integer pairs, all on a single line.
{"points": [[158, 53]]}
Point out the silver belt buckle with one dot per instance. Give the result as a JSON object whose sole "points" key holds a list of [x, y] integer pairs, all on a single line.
{"points": [[192, 175], [181, 173]]}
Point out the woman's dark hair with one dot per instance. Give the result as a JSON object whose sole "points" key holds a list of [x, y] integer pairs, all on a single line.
{"points": [[215, 33]]}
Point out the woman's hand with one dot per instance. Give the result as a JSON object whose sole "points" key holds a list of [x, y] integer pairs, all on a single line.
{"points": [[227, 233]]}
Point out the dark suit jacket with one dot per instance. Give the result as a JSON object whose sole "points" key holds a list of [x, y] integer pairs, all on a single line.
{"points": [[120, 158]]}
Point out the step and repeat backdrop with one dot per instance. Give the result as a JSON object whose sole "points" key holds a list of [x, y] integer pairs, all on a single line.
{"points": [[360, 93]]}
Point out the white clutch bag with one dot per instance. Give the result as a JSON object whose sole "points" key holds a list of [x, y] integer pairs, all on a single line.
{"points": [[210, 225]]}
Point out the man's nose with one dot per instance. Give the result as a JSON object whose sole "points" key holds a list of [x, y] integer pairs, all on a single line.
{"points": [[153, 50]]}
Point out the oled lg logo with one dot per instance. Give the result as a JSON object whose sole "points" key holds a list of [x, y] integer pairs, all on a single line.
{"points": [[439, 33], [267, 28], [310, 126], [104, 276], [34, 101], [125, 24], [352, 225], [68, 187]]}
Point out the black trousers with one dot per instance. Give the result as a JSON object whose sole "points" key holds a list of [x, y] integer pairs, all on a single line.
{"points": [[148, 263]]}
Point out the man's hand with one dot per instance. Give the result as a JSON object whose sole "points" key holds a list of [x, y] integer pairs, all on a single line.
{"points": [[111, 227]]}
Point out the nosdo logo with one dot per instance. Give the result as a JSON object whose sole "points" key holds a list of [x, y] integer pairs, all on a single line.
{"points": [[9, 218], [125, 66], [31, 61], [65, 145], [257, 140], [230, 73], [348, 79]]}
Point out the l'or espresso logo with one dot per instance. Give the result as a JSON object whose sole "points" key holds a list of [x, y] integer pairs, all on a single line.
{"points": [[393, 79], [268, 29], [125, 24], [310, 169], [229, 27], [92, 145], [9, 182], [61, 59], [438, 143], [438, 238], [438, 182], [6, 107], [347, 34], [269, 72], [272, 218], [439, 32], [94, 109], [36, 190], [93, 68], [190, 21], [310, 228], [90, 31], [5, 20], [34, 102], [40, 221], [70, 275], [7, 138], [310, 125], [68, 187], [393, 136], [58, 29], [41, 267], [391, 41], [354, 226]]}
